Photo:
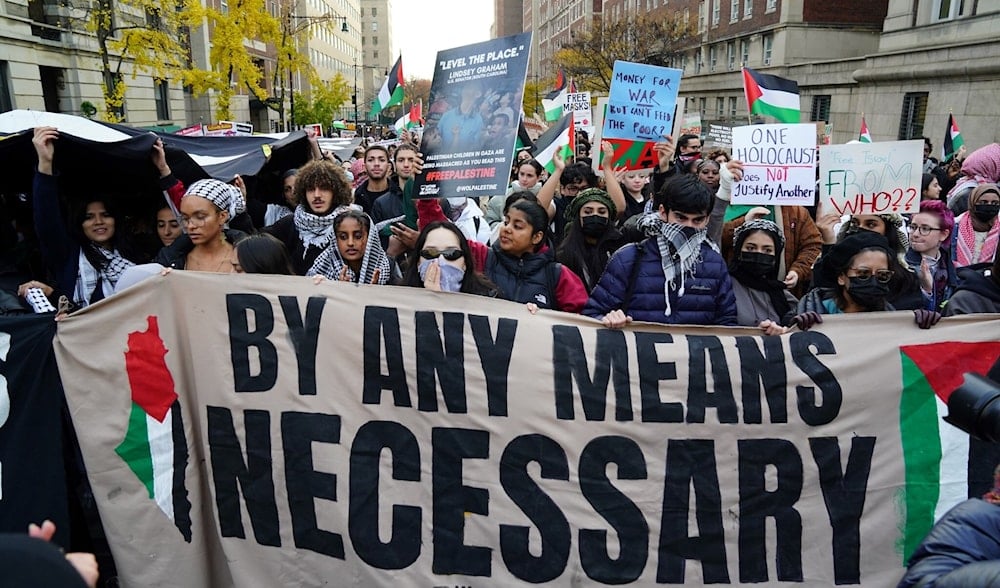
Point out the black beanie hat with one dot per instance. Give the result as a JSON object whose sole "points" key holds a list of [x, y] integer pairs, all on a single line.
{"points": [[839, 257]]}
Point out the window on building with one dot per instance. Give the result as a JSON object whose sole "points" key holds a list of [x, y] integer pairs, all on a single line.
{"points": [[6, 96], [772, 5], [374, 11], [716, 12], [698, 61], [374, 27], [702, 105], [374, 54], [731, 55], [768, 42], [161, 94], [712, 58], [947, 9], [911, 120], [720, 108], [224, 6], [747, 8], [744, 51], [820, 108], [732, 108], [702, 16], [51, 79], [374, 40], [734, 10]]}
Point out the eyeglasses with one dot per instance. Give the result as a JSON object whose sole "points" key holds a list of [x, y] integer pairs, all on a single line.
{"points": [[197, 220], [450, 253], [921, 229], [863, 273]]}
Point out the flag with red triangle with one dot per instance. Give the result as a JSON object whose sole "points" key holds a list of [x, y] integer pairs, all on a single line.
{"points": [[952, 140], [864, 135]]}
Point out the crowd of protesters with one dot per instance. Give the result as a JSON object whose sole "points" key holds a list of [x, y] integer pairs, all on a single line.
{"points": [[665, 246]]}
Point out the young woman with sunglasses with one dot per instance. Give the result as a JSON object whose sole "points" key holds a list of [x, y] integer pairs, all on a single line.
{"points": [[859, 268], [442, 261]]}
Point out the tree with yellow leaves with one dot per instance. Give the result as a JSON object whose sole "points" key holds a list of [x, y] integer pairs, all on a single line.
{"points": [[590, 56], [324, 100], [148, 35]]}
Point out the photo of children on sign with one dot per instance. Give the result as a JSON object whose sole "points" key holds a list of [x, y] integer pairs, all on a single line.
{"points": [[471, 126]]}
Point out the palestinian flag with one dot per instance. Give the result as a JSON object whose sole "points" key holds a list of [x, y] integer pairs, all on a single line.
{"points": [[864, 136], [523, 140], [952, 140], [154, 446], [771, 96], [339, 124], [572, 86], [555, 101], [938, 458], [559, 138], [411, 119], [391, 93]]}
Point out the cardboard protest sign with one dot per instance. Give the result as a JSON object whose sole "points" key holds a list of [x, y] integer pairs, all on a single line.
{"points": [[631, 155], [871, 178], [641, 101], [779, 164], [471, 124], [225, 128], [395, 436], [691, 124]]}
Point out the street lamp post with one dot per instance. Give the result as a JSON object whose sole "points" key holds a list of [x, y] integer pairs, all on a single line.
{"points": [[307, 22], [356, 95]]}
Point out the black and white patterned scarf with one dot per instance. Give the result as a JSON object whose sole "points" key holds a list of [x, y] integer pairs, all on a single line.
{"points": [[330, 264], [680, 251], [315, 230], [88, 275]]}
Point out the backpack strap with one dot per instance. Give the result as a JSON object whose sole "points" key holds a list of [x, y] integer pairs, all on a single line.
{"points": [[633, 276]]}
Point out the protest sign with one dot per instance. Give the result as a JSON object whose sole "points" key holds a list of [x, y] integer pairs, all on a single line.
{"points": [[32, 472], [396, 436], [583, 116], [641, 101], [871, 178], [779, 164], [314, 130], [192, 131], [225, 128], [469, 147], [721, 135], [632, 155], [691, 124]]}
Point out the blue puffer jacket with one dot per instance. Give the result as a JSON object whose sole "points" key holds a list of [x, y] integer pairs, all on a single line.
{"points": [[963, 549], [708, 293]]}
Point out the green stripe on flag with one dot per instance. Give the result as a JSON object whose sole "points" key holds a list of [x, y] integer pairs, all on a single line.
{"points": [[918, 428], [784, 115], [134, 448]]}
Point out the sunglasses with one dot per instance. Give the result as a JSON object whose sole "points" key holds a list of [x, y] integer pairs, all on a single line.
{"points": [[451, 253]]}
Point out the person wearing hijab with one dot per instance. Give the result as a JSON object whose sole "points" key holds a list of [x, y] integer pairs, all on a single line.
{"points": [[858, 269], [982, 166], [591, 235], [762, 300], [977, 229], [206, 208], [357, 256], [322, 192], [88, 257]]}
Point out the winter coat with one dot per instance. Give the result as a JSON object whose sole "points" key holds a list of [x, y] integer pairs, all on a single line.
{"points": [[945, 278], [978, 293], [961, 550], [708, 292], [302, 256]]}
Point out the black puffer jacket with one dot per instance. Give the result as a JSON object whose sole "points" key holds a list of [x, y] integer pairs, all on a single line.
{"points": [[175, 255]]}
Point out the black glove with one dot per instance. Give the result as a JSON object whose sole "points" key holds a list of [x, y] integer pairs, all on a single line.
{"points": [[926, 318], [807, 319]]}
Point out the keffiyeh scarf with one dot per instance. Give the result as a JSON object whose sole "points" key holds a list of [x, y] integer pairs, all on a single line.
{"points": [[315, 230], [680, 251], [88, 276], [330, 264]]}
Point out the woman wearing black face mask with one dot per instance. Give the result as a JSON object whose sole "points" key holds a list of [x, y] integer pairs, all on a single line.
{"points": [[977, 231], [762, 300], [591, 235], [859, 266]]}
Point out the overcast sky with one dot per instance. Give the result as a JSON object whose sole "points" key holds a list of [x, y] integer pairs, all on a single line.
{"points": [[420, 29]]}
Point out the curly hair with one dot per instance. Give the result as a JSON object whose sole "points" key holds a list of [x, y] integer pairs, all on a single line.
{"points": [[326, 176]]}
